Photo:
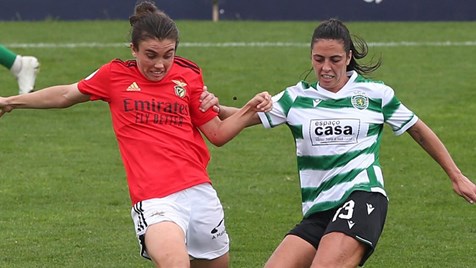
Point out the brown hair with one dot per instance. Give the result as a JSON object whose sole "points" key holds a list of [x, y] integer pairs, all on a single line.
{"points": [[334, 29], [148, 22]]}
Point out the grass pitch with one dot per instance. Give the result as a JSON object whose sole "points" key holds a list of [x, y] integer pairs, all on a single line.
{"points": [[63, 194]]}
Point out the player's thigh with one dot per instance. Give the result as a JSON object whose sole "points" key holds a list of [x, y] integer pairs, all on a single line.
{"points": [[353, 232], [220, 262], [292, 252], [170, 209], [338, 250], [165, 243]]}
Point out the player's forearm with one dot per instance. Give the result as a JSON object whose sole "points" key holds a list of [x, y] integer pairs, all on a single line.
{"points": [[52, 97], [232, 125], [227, 111], [430, 142]]}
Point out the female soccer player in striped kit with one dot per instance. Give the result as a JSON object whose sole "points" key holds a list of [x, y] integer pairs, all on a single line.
{"points": [[154, 101], [337, 125]]}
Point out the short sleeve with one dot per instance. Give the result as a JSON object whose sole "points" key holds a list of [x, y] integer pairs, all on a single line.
{"points": [[97, 85]]}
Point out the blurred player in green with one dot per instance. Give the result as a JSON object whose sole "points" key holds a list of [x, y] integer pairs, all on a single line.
{"points": [[24, 68]]}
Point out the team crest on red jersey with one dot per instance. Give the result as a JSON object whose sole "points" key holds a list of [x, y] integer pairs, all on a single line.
{"points": [[180, 88]]}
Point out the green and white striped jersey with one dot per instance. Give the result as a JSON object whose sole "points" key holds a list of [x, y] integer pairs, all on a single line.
{"points": [[338, 136]]}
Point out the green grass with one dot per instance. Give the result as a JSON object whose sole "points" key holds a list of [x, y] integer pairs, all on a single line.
{"points": [[63, 195]]}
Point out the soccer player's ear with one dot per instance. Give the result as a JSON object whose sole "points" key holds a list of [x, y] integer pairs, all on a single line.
{"points": [[133, 50]]}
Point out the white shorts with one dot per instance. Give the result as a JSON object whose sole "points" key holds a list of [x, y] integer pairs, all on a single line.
{"points": [[197, 210]]}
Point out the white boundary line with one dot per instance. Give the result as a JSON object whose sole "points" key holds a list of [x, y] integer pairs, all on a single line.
{"points": [[238, 44]]}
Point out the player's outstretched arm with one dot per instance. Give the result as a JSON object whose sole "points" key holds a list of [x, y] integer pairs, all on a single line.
{"points": [[61, 96], [210, 101], [430, 142], [220, 132]]}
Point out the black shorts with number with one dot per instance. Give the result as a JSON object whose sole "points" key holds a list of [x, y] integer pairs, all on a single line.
{"points": [[362, 216]]}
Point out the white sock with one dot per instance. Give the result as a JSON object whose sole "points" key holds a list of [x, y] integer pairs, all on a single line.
{"points": [[16, 67]]}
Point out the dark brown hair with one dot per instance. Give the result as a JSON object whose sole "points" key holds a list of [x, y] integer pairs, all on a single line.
{"points": [[148, 22], [334, 29]]}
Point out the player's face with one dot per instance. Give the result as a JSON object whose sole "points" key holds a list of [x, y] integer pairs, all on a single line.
{"points": [[154, 57], [329, 61]]}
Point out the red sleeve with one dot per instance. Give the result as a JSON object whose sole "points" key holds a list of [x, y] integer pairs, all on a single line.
{"points": [[97, 84], [195, 80]]}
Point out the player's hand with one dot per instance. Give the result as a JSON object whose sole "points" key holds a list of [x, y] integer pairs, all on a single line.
{"points": [[209, 100], [4, 106], [262, 102], [465, 188]]}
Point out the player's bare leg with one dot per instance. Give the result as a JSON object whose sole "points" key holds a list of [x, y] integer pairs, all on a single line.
{"points": [[220, 262], [165, 244], [338, 250], [293, 252]]}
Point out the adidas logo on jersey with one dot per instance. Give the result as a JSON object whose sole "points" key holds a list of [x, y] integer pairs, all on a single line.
{"points": [[133, 87]]}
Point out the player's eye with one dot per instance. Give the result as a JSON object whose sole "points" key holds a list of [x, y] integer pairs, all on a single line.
{"points": [[319, 59], [336, 59]]}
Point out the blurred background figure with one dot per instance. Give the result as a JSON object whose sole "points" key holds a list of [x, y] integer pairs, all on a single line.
{"points": [[24, 68]]}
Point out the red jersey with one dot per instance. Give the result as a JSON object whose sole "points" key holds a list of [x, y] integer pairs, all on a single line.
{"points": [[155, 125]]}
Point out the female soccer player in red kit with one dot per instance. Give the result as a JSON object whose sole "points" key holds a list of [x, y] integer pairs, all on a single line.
{"points": [[154, 101]]}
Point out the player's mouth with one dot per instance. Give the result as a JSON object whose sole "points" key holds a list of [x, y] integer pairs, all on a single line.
{"points": [[327, 77], [157, 74]]}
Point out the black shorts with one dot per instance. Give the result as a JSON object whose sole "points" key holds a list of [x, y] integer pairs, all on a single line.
{"points": [[362, 216]]}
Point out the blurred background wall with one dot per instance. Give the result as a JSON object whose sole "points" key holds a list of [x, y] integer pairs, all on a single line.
{"points": [[347, 10]]}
